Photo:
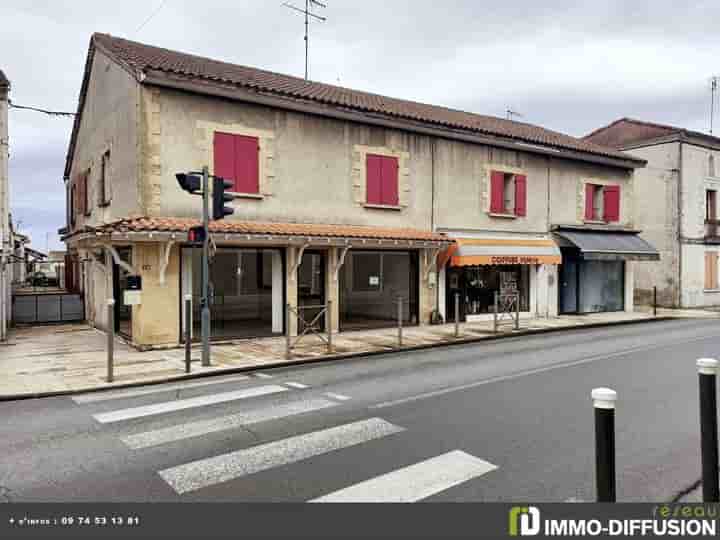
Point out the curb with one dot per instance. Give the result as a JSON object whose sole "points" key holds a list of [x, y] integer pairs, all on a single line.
{"points": [[330, 358]]}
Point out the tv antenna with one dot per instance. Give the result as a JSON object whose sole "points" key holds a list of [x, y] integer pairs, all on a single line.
{"points": [[713, 90], [309, 5], [509, 114]]}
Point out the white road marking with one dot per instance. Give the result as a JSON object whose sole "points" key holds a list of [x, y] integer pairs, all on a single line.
{"points": [[416, 482], [181, 404], [145, 390], [299, 386], [535, 371], [207, 472], [224, 423], [339, 397], [262, 376]]}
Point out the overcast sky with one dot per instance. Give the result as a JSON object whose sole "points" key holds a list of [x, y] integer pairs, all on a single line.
{"points": [[563, 65]]}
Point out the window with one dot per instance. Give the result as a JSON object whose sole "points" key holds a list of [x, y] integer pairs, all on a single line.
{"points": [[711, 165], [105, 192], [602, 203], [81, 195], [710, 205], [508, 193], [72, 203], [237, 159], [367, 271], [711, 270], [382, 180]]}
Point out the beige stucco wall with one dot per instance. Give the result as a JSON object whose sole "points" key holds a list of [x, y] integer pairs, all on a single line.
{"points": [[304, 159], [656, 210], [156, 321], [109, 122]]}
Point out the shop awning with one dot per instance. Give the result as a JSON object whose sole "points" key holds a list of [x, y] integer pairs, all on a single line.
{"points": [[482, 251], [609, 245]]}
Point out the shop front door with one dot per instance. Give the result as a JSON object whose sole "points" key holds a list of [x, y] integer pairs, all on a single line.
{"points": [[569, 286]]}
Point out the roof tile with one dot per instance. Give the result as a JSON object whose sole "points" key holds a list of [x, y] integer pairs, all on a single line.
{"points": [[139, 58], [168, 224]]}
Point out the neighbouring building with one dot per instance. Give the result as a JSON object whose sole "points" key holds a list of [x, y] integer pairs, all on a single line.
{"points": [[344, 196], [6, 244], [678, 209]]}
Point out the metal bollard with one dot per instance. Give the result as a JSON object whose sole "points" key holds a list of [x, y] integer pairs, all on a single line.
{"points": [[495, 313], [287, 331], [707, 373], [517, 311], [604, 403], [400, 321], [654, 301], [188, 331], [457, 315], [329, 326], [110, 339]]}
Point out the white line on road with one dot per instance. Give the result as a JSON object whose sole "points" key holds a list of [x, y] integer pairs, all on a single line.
{"points": [[204, 427], [262, 375], [299, 386], [179, 405], [535, 371], [416, 482], [339, 397], [207, 472], [145, 390]]}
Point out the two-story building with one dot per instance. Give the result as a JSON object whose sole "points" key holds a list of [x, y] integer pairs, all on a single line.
{"points": [[678, 209], [344, 196]]}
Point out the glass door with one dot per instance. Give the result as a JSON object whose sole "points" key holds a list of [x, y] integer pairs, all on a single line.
{"points": [[311, 288]]}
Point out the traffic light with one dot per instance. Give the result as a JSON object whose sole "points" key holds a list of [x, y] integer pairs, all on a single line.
{"points": [[196, 235], [189, 182], [219, 198]]}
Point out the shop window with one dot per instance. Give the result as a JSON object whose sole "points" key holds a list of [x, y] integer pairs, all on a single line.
{"points": [[508, 193], [382, 180], [367, 272], [237, 158], [480, 283], [711, 270]]}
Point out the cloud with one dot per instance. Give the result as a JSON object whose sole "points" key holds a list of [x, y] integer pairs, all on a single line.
{"points": [[567, 65]]}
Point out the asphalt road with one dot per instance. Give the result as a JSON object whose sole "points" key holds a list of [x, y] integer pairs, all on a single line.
{"points": [[509, 420]]}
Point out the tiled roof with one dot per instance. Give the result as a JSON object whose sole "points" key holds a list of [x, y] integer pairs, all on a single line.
{"points": [[626, 131], [140, 59], [629, 131], [161, 224]]}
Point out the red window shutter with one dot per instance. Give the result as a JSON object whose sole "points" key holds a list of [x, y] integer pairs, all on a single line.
{"points": [[520, 195], [389, 171], [224, 156], [611, 203], [589, 208], [497, 197], [247, 166], [374, 179]]}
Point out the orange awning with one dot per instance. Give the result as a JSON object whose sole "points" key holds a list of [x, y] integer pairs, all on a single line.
{"points": [[491, 251]]}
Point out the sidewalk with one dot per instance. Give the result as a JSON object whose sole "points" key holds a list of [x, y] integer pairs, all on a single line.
{"points": [[71, 358]]}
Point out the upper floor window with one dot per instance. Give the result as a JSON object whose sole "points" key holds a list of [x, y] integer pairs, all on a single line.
{"points": [[382, 180], [72, 204], [508, 193], [237, 158], [80, 196], [711, 165], [710, 205], [602, 203], [105, 190]]}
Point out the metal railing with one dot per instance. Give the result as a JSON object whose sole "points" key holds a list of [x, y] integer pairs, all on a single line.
{"points": [[712, 228], [311, 328]]}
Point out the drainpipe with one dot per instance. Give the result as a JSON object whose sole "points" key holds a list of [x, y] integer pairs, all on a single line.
{"points": [[680, 221]]}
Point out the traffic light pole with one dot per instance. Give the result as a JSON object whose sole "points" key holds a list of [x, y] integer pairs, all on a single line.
{"points": [[205, 315]]}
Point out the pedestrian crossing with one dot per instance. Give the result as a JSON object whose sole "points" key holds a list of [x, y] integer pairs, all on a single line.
{"points": [[274, 408]]}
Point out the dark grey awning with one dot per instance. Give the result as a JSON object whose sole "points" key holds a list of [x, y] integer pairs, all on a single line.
{"points": [[609, 246]]}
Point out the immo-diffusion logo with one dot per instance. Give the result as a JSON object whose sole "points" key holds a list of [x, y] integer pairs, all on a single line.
{"points": [[526, 519]]}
